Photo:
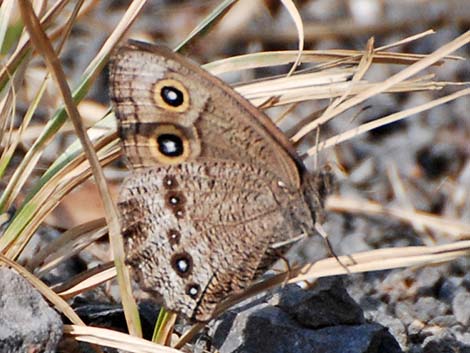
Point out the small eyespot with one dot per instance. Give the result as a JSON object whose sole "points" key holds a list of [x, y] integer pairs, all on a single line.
{"points": [[172, 96], [192, 290], [170, 145], [169, 182], [174, 200], [182, 263], [173, 237], [179, 214]]}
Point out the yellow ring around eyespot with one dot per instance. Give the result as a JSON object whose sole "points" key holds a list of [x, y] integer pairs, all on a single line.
{"points": [[157, 95], [172, 130]]}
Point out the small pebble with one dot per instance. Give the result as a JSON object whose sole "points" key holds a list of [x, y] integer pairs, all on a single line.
{"points": [[461, 307]]}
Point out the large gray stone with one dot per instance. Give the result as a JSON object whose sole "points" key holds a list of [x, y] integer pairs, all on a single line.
{"points": [[27, 322], [293, 321], [326, 304]]}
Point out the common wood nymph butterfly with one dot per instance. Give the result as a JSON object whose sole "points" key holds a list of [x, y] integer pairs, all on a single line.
{"points": [[214, 184]]}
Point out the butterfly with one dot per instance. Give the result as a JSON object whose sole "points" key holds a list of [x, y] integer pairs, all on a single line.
{"points": [[213, 186]]}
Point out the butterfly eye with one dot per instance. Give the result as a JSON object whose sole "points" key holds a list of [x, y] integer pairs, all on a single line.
{"points": [[172, 96], [170, 145], [192, 290]]}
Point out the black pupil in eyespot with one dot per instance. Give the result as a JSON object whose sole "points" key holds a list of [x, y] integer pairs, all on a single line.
{"points": [[172, 96], [170, 145]]}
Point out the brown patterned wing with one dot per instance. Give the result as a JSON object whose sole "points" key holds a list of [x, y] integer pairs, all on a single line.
{"points": [[196, 232], [171, 111]]}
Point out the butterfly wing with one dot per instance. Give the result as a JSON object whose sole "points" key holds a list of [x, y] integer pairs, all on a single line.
{"points": [[214, 182], [196, 232], [171, 111]]}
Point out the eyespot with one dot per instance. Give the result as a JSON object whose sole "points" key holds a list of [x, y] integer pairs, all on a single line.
{"points": [[169, 182], [175, 198], [192, 290], [171, 95], [173, 236], [169, 145], [182, 263]]}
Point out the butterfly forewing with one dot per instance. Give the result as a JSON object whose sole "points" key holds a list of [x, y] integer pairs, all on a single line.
{"points": [[213, 120]]}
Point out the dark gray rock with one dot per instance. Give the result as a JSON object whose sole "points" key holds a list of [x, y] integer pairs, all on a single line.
{"points": [[271, 330], [326, 304], [290, 321], [28, 323]]}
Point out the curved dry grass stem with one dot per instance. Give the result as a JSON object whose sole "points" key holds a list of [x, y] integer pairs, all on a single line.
{"points": [[115, 339], [44, 46]]}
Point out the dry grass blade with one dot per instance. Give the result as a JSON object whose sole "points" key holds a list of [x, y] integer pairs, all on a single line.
{"points": [[453, 228], [7, 113], [383, 259], [215, 14], [386, 120], [383, 86], [10, 148], [325, 84], [331, 58], [362, 68], [31, 158], [21, 176], [68, 244], [41, 203], [23, 49], [86, 281], [55, 299], [294, 13], [273, 58], [114, 339], [299, 90], [44, 46], [6, 11]]}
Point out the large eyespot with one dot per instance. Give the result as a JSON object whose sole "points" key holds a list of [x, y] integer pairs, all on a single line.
{"points": [[169, 145], [182, 263], [171, 95]]}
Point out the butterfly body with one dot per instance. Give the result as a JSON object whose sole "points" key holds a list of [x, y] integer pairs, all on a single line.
{"points": [[213, 184]]}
